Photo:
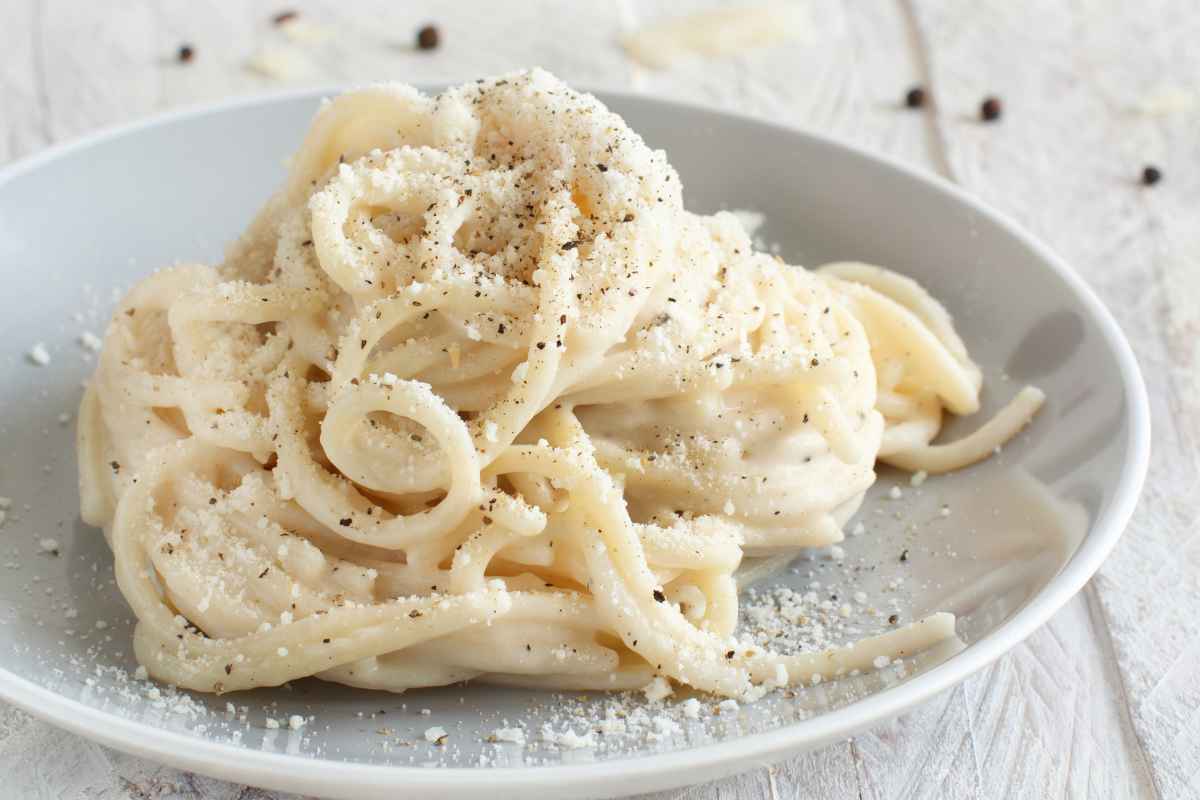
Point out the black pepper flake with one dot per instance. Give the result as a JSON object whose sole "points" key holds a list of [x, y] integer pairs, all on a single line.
{"points": [[602, 167], [562, 320], [345, 522], [904, 556], [570, 245], [284, 16], [990, 109], [915, 97], [228, 669], [1151, 175], [186, 53], [659, 596], [325, 641], [414, 614], [428, 38], [893, 619], [628, 217], [500, 328], [263, 574], [116, 466], [541, 345], [212, 501], [730, 654]]}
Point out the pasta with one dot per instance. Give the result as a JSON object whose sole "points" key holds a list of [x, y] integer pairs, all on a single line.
{"points": [[475, 397]]}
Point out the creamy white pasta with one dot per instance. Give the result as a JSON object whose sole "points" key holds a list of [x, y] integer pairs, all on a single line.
{"points": [[476, 398]]}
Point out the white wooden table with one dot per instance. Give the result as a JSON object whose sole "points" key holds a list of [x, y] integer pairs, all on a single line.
{"points": [[1104, 701]]}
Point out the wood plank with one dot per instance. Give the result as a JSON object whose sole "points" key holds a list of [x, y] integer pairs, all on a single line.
{"points": [[1065, 161], [93, 64], [754, 785], [1049, 721], [22, 90]]}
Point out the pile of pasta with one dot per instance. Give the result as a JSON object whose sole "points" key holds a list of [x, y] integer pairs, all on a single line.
{"points": [[475, 397]]}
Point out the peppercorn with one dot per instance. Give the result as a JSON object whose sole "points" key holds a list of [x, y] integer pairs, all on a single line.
{"points": [[991, 109], [428, 38], [915, 97]]}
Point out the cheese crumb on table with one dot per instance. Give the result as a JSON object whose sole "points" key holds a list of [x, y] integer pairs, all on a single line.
{"points": [[279, 63], [39, 355]]}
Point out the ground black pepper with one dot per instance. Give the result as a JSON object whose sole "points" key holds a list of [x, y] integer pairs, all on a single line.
{"points": [[186, 53], [1151, 175], [915, 97], [990, 109], [428, 38], [285, 16]]}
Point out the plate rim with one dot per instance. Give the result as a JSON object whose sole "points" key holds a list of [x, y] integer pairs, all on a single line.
{"points": [[656, 771]]}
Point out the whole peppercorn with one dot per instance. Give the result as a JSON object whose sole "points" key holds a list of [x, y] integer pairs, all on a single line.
{"points": [[991, 109], [915, 97], [428, 38]]}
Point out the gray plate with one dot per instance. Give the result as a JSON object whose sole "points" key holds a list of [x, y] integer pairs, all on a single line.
{"points": [[1026, 529]]}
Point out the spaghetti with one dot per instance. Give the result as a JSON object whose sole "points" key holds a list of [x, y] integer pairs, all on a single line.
{"points": [[476, 398]]}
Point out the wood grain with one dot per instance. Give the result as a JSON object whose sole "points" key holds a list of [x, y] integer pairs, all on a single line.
{"points": [[1065, 161], [1100, 703]]}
